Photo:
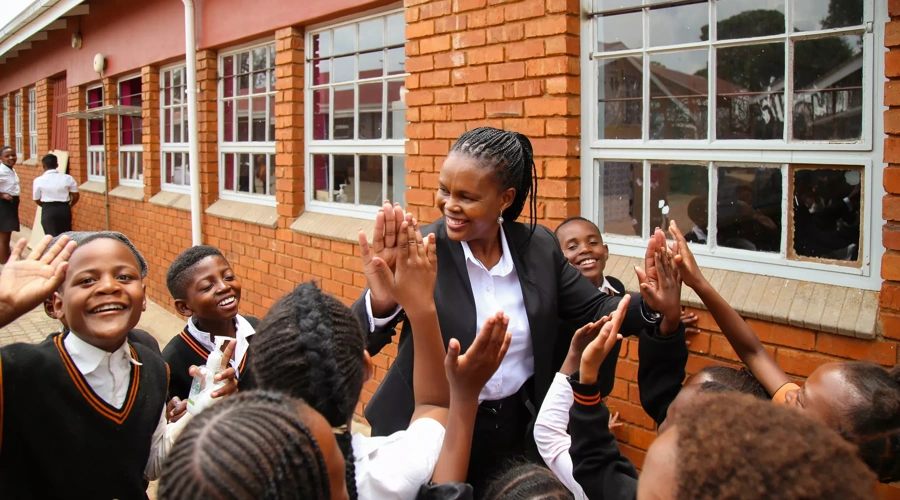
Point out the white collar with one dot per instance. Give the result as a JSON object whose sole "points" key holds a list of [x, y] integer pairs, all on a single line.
{"points": [[87, 358], [51, 171], [606, 287], [242, 331], [701, 234], [503, 267]]}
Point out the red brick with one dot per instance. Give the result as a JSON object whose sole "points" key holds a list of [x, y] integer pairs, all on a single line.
{"points": [[420, 97], [488, 17], [449, 24], [640, 438], [467, 39], [503, 109], [555, 147], [563, 44], [451, 95], [435, 79], [564, 126], [419, 64], [552, 25], [419, 30], [527, 49], [892, 177], [528, 127], [420, 131], [524, 10], [491, 54], [892, 149], [451, 130], [634, 414], [434, 44], [800, 363], [464, 5], [884, 353], [434, 9], [527, 88], [557, 65], [892, 121], [891, 322], [437, 113], [892, 63], [557, 6], [420, 197], [435, 147], [889, 298], [789, 336], [486, 92], [894, 8], [890, 265], [890, 236], [467, 111], [506, 33], [507, 71], [449, 60], [551, 106], [892, 93], [464, 76]]}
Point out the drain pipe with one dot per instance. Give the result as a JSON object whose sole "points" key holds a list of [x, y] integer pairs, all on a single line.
{"points": [[190, 51]]}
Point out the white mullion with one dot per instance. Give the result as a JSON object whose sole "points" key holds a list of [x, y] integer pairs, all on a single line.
{"points": [[645, 201], [843, 31], [788, 73], [615, 54], [786, 199], [745, 42], [384, 91], [645, 76], [868, 80], [662, 49], [712, 105], [712, 222], [599, 193], [355, 179], [384, 178]]}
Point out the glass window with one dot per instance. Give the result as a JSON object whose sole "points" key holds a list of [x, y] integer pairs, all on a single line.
{"points": [[247, 120], [175, 163], [356, 119], [96, 150], [131, 155], [32, 123], [6, 128], [19, 141]]}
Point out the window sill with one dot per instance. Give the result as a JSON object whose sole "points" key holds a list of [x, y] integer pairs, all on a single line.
{"points": [[128, 192], [169, 199], [250, 213], [333, 227], [93, 187], [31, 162], [824, 308]]}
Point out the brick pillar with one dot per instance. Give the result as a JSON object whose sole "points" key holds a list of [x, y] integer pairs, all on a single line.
{"points": [[77, 136], [150, 132], [111, 133], [208, 128], [512, 66], [889, 299], [289, 159], [44, 94], [4, 126], [25, 154]]}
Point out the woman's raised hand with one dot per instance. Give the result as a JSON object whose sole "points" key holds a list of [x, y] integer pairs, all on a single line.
{"points": [[416, 274], [387, 233], [380, 259]]}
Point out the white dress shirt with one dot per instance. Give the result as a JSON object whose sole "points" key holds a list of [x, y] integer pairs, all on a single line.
{"points": [[495, 289], [53, 186], [395, 466], [607, 288], [243, 330], [9, 181], [109, 375]]}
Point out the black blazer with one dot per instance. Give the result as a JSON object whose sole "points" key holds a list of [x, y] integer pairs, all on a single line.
{"points": [[551, 288]]}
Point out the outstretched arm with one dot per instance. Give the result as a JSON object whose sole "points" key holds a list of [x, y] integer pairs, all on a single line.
{"points": [[25, 283], [739, 334]]}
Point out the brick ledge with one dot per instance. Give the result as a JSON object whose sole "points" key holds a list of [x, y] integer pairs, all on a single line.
{"points": [[171, 199], [251, 213], [332, 227], [128, 192], [777, 300], [93, 187]]}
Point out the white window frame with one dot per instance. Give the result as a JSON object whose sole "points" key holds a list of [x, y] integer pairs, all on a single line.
{"points": [[172, 147], [132, 153], [96, 154], [19, 138], [32, 123], [865, 153], [356, 147], [266, 148], [7, 133]]}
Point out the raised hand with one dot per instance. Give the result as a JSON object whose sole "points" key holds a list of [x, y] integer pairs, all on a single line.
{"points": [[379, 259], [414, 280], [388, 233], [649, 274], [469, 372], [684, 259], [25, 283], [583, 336], [599, 348]]}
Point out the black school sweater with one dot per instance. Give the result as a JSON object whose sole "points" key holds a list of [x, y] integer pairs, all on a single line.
{"points": [[183, 351], [58, 439], [661, 364]]}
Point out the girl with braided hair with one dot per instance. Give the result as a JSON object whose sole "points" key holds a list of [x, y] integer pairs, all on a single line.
{"points": [[257, 445], [489, 262]]}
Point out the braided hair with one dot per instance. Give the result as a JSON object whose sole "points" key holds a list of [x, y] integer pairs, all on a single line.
{"points": [[250, 446], [310, 345], [875, 425], [527, 481], [511, 157], [740, 380]]}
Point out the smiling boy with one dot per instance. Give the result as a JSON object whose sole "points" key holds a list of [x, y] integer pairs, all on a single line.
{"points": [[206, 291]]}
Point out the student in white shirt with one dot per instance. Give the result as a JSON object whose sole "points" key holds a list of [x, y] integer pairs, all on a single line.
{"points": [[9, 199], [56, 193]]}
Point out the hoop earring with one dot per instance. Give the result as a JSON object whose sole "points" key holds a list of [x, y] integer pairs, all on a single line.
{"points": [[500, 219]]}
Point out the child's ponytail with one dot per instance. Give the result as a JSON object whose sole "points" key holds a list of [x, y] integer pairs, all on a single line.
{"points": [[344, 441]]}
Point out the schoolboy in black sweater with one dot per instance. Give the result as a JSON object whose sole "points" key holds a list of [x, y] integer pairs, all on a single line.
{"points": [[82, 411], [208, 293]]}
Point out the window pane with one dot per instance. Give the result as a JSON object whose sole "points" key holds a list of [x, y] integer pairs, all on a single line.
{"points": [[601, 5], [396, 179], [345, 40], [679, 192], [370, 110], [260, 170], [321, 71], [370, 180], [259, 114], [320, 123], [243, 173], [343, 112], [748, 18], [749, 208], [818, 14], [620, 111], [260, 79], [622, 197], [371, 34], [678, 95], [750, 92], [343, 68], [396, 29], [243, 120], [320, 177], [167, 125], [343, 178], [371, 65], [396, 118], [229, 121], [827, 213], [322, 44], [229, 172], [828, 83], [259, 59], [271, 118], [621, 32], [396, 61], [677, 25]]}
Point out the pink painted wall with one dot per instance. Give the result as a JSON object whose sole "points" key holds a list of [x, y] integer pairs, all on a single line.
{"points": [[136, 33]]}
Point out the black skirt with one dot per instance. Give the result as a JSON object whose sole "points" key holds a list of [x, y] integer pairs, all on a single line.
{"points": [[56, 217], [9, 215]]}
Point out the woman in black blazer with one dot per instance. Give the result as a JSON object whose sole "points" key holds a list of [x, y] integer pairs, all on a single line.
{"points": [[484, 184]]}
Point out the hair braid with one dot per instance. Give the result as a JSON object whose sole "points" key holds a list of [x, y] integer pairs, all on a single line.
{"points": [[527, 481], [250, 446], [345, 443], [511, 156], [874, 425]]}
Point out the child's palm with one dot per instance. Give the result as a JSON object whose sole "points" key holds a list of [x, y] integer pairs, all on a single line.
{"points": [[471, 371], [25, 283], [600, 347]]}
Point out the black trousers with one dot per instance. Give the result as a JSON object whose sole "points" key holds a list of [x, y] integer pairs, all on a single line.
{"points": [[502, 436], [56, 217]]}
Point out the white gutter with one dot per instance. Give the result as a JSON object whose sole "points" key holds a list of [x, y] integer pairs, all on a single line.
{"points": [[190, 52], [32, 20]]}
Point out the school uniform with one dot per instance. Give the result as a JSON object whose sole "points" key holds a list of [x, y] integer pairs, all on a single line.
{"points": [[192, 347], [661, 370], [9, 210], [53, 189], [81, 422], [534, 285]]}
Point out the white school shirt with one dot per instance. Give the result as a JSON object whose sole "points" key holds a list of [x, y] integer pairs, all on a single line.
{"points": [[395, 466], [109, 374], [495, 289], [243, 331], [551, 426], [9, 181], [53, 186]]}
